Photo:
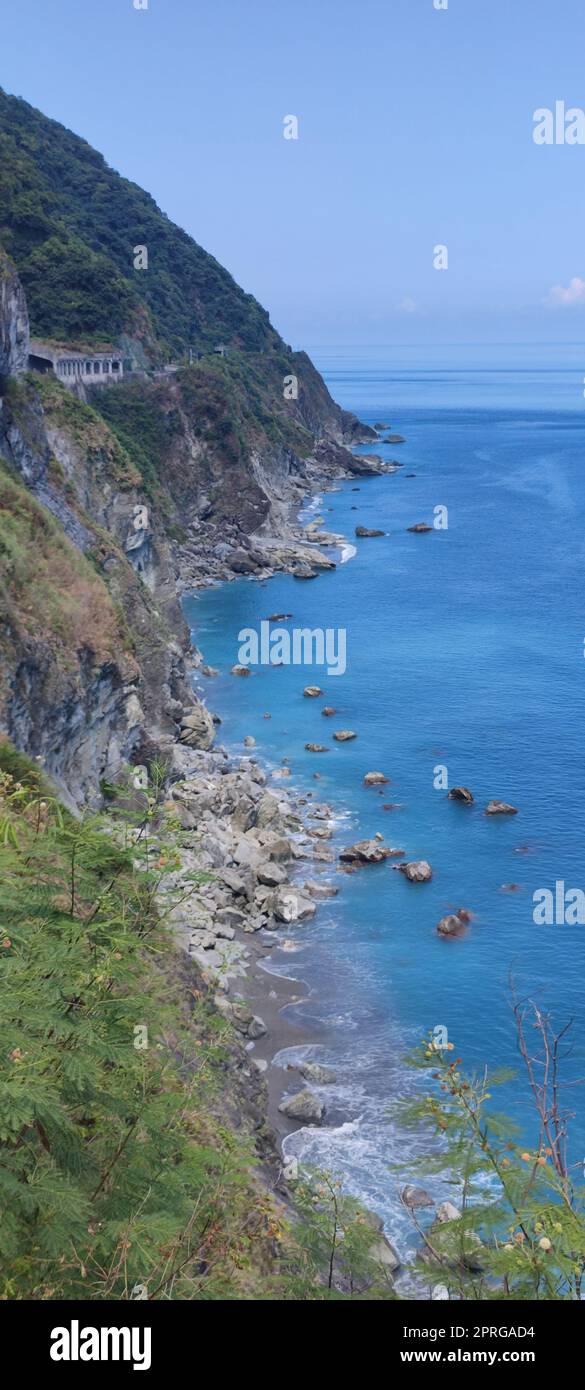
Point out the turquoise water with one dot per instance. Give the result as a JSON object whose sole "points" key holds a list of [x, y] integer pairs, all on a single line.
{"points": [[465, 650]]}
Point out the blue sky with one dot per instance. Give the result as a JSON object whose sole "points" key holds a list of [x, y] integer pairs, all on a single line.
{"points": [[415, 128]]}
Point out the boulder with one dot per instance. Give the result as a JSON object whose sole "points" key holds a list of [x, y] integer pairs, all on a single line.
{"points": [[320, 890], [500, 808], [375, 779], [241, 671], [416, 871], [395, 439], [344, 735], [197, 728], [460, 794], [368, 852], [420, 527], [242, 562], [328, 710], [448, 1212], [305, 1107], [303, 572], [312, 691], [249, 741], [415, 1197], [318, 1074], [290, 906], [316, 748], [364, 531], [452, 925], [272, 875]]}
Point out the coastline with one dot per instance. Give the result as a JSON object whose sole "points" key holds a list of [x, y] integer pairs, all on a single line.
{"points": [[238, 967]]}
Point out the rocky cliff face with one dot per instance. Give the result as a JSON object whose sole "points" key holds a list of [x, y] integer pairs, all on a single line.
{"points": [[92, 643], [14, 326], [109, 507]]}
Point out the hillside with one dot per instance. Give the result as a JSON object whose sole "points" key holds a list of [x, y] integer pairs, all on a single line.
{"points": [[70, 223]]}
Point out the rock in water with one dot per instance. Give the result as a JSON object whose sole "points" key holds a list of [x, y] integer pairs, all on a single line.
{"points": [[305, 1107], [368, 852], [344, 735], [460, 794], [414, 1197], [416, 871], [312, 691], [420, 527], [375, 779], [241, 671], [318, 1074], [316, 748], [328, 710], [451, 925], [500, 808], [364, 531]]}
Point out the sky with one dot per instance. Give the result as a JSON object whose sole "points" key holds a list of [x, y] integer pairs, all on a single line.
{"points": [[415, 130]]}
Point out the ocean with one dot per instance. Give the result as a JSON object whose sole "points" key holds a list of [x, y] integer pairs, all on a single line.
{"points": [[465, 661]]}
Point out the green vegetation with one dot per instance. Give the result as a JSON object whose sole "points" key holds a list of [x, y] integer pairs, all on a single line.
{"points": [[520, 1232], [85, 425], [117, 1168], [37, 561], [70, 224]]}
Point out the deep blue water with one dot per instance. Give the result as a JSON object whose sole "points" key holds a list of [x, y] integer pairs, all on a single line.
{"points": [[465, 649]]}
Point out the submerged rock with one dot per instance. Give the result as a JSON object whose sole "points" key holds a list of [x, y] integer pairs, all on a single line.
{"points": [[305, 1107]]}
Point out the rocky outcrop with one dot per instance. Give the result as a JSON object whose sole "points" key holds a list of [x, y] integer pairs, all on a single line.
{"points": [[416, 871], [14, 326], [460, 794]]}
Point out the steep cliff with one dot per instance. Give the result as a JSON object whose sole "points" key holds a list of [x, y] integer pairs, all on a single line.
{"points": [[114, 498]]}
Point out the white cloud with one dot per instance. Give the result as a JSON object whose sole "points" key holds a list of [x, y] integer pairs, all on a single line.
{"points": [[409, 306], [565, 298]]}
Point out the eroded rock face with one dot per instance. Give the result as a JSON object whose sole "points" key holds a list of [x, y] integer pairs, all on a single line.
{"points": [[14, 327]]}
